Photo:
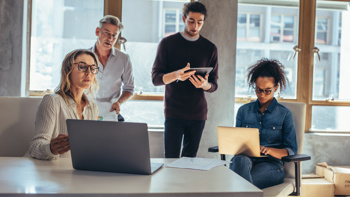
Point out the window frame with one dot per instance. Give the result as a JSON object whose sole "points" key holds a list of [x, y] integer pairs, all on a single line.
{"points": [[306, 64], [247, 25], [281, 25], [177, 21], [340, 27], [327, 30]]}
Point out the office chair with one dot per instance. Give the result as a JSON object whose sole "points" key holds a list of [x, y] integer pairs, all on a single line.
{"points": [[292, 181]]}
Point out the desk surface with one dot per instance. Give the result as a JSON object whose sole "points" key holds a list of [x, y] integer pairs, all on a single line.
{"points": [[20, 176]]}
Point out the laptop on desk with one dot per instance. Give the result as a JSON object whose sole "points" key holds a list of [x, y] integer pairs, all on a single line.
{"points": [[239, 140], [121, 147]]}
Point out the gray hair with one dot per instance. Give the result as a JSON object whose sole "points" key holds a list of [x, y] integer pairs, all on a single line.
{"points": [[113, 20]]}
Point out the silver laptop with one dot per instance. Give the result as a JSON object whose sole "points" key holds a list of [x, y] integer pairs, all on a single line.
{"points": [[121, 147]]}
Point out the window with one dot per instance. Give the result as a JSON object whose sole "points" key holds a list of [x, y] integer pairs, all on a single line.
{"points": [[325, 90], [281, 48], [262, 31], [245, 58], [339, 28], [330, 72], [249, 27], [330, 118], [324, 86], [330, 93], [321, 30], [282, 28], [291, 70], [242, 27], [142, 49], [172, 21], [58, 28], [166, 18]]}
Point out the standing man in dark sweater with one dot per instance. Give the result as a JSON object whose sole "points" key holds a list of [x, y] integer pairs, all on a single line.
{"points": [[185, 104]]}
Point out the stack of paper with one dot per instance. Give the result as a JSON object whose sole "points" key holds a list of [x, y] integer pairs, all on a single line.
{"points": [[104, 111], [197, 163]]}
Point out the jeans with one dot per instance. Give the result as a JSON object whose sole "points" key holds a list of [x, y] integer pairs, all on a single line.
{"points": [[175, 129], [262, 172]]}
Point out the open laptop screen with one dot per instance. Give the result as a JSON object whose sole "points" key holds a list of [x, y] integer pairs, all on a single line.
{"points": [[109, 146]]}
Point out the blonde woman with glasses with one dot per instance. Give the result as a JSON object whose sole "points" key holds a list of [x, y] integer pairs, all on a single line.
{"points": [[69, 101]]}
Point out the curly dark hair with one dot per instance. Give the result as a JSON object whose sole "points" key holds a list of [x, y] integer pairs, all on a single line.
{"points": [[268, 68], [194, 7]]}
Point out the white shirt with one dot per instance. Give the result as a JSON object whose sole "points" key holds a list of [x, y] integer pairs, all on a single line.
{"points": [[113, 78], [50, 121]]}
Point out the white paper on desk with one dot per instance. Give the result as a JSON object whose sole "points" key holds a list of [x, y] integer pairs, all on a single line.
{"points": [[197, 163], [104, 111]]}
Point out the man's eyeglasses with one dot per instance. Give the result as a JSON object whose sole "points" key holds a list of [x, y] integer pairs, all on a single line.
{"points": [[266, 91], [83, 67], [107, 34]]}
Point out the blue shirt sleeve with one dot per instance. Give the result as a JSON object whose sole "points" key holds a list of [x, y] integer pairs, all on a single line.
{"points": [[239, 118], [289, 134]]}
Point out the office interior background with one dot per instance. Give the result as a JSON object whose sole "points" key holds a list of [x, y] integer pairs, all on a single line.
{"points": [[307, 36]]}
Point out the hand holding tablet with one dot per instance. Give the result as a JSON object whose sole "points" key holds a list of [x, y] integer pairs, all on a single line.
{"points": [[200, 78], [184, 74]]}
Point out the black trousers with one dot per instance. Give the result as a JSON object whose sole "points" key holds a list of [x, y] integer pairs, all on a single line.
{"points": [[176, 129]]}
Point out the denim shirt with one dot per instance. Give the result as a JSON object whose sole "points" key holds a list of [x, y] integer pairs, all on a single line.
{"points": [[275, 124]]}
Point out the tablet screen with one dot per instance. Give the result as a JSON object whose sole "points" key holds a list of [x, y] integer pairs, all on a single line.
{"points": [[201, 71]]}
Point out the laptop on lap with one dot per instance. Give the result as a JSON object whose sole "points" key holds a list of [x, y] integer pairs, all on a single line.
{"points": [[108, 146], [239, 140]]}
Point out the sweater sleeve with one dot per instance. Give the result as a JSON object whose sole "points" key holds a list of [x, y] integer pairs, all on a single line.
{"points": [[160, 65], [44, 125], [213, 76]]}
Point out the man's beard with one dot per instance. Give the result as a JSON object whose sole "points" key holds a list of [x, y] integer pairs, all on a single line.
{"points": [[189, 33]]}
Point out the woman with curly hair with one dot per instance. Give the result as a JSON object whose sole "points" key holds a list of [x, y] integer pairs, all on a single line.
{"points": [[274, 121]]}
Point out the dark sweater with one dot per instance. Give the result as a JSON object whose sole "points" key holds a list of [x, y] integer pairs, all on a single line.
{"points": [[182, 99]]}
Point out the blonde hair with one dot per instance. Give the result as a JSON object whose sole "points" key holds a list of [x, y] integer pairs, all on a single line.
{"points": [[64, 88]]}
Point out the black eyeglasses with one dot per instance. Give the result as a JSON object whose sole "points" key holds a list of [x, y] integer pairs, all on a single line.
{"points": [[83, 67], [266, 91]]}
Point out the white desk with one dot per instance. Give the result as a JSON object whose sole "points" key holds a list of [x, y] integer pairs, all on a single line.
{"points": [[20, 176]]}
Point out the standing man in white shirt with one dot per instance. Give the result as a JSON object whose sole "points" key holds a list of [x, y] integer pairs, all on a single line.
{"points": [[115, 78]]}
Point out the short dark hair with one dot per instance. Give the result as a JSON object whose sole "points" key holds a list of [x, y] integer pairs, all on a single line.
{"points": [[268, 68], [194, 7]]}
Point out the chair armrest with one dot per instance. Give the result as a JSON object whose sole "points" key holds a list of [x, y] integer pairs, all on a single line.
{"points": [[295, 158], [213, 149]]}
